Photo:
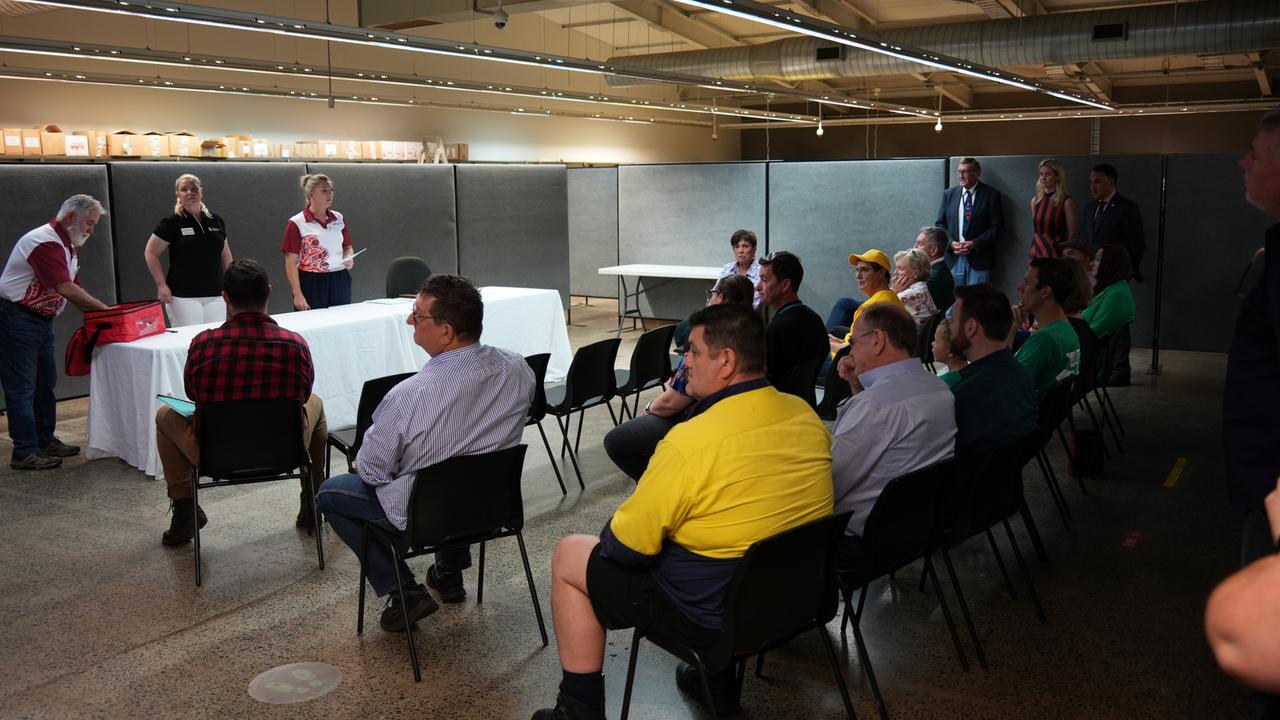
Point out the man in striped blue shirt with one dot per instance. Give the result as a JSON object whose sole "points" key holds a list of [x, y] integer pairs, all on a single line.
{"points": [[469, 398]]}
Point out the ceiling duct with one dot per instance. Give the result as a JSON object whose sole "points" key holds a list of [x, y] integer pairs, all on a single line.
{"points": [[1197, 28]]}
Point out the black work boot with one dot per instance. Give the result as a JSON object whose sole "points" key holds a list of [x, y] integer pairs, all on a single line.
{"points": [[181, 528], [569, 708]]}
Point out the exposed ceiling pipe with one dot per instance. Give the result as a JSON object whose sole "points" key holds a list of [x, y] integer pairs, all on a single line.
{"points": [[1223, 26]]}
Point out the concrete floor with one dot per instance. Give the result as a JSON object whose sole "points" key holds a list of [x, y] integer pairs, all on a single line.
{"points": [[101, 621]]}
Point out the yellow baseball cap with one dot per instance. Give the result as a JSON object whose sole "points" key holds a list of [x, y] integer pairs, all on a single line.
{"points": [[872, 256]]}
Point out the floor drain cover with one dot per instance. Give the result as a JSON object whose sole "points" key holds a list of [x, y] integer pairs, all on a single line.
{"points": [[295, 683]]}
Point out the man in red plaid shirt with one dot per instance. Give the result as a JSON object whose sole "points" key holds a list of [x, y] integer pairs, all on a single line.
{"points": [[249, 357]]}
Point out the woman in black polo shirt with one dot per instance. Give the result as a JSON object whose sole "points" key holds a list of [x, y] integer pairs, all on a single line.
{"points": [[196, 241]]}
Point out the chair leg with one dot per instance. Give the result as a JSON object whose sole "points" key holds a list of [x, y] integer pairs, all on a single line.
{"points": [[609, 405], [635, 410], [964, 609], [1022, 565], [577, 441], [1088, 408], [408, 626], [195, 520], [707, 697], [316, 520], [1029, 522], [480, 577], [866, 659], [533, 593], [946, 614], [1106, 416], [631, 673], [1045, 470], [551, 456], [564, 430], [1004, 572], [1083, 490], [364, 555], [1107, 396], [1055, 486], [835, 670]]}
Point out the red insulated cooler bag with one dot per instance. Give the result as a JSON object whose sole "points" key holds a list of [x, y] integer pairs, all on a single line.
{"points": [[125, 322]]}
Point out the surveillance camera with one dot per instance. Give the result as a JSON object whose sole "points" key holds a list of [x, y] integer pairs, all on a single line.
{"points": [[500, 18]]}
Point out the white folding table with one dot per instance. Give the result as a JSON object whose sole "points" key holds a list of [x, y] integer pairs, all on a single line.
{"points": [[666, 273]]}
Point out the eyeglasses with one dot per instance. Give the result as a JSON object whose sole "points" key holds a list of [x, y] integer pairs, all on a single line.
{"points": [[864, 269], [854, 340], [714, 292], [415, 318]]}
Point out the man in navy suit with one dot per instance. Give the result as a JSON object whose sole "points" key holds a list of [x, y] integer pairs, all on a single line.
{"points": [[1111, 218], [970, 214]]}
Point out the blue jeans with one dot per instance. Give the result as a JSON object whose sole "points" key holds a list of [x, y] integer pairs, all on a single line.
{"points": [[841, 314], [966, 275], [28, 372], [347, 503]]}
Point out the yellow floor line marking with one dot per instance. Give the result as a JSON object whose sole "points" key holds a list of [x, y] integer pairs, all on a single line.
{"points": [[1175, 473]]}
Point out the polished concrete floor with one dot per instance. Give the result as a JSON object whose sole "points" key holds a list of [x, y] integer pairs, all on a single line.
{"points": [[101, 621]]}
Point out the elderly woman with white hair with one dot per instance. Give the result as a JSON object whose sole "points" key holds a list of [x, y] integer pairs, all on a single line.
{"points": [[909, 282], [196, 240]]}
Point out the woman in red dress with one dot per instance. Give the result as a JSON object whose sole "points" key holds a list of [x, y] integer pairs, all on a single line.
{"points": [[1054, 215]]}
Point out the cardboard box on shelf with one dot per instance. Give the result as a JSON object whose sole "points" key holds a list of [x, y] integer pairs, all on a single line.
{"points": [[77, 145], [124, 143], [31, 142], [52, 140], [329, 149], [12, 141], [274, 150], [306, 149], [456, 152], [183, 144], [413, 151], [261, 148], [286, 150], [391, 149], [352, 150], [238, 145], [213, 149], [369, 150], [155, 145]]}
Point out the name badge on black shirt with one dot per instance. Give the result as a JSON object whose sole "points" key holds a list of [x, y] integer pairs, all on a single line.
{"points": [[188, 231]]}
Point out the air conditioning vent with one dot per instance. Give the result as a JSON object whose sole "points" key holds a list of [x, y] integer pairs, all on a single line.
{"points": [[835, 52], [1111, 31]]}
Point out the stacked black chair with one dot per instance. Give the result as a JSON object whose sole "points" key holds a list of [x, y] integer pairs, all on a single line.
{"points": [[995, 494], [348, 442], [650, 367], [538, 408], [405, 276], [784, 586], [251, 441], [459, 502], [590, 382], [900, 530]]}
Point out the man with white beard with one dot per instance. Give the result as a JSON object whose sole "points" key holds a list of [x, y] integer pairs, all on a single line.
{"points": [[41, 276]]}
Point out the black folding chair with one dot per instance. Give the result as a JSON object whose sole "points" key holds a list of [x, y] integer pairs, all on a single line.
{"points": [[590, 382], [996, 494], [924, 340], [835, 389], [899, 530], [456, 503], [802, 379], [251, 441], [405, 276], [650, 367], [1055, 407], [538, 408], [785, 585], [1108, 355], [348, 442]]}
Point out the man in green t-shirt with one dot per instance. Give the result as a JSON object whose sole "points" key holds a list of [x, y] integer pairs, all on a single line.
{"points": [[1053, 350]]}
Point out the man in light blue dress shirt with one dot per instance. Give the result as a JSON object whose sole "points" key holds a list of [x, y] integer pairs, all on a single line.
{"points": [[902, 420], [469, 398]]}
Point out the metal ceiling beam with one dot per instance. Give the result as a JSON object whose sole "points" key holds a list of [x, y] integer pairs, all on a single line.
{"points": [[1260, 74], [835, 11], [667, 18]]}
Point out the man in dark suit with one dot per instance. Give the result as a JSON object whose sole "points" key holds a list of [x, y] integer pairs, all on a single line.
{"points": [[970, 214], [1111, 218], [933, 241]]}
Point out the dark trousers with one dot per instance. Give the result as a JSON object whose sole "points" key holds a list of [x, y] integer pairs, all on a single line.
{"points": [[324, 290], [28, 372], [632, 444]]}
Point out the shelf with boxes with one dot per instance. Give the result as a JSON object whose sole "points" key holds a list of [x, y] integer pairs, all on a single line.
{"points": [[49, 141]]}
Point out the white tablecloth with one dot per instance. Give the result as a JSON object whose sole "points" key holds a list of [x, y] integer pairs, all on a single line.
{"points": [[349, 345]]}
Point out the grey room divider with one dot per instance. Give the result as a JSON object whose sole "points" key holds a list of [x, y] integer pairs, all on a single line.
{"points": [[395, 210], [823, 211], [685, 215], [1015, 177], [32, 196], [513, 226], [255, 200], [1211, 233], [593, 230]]}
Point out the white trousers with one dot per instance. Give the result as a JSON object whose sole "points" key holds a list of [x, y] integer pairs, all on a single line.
{"points": [[196, 311]]}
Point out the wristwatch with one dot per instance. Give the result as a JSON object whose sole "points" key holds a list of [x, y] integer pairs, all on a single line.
{"points": [[647, 406]]}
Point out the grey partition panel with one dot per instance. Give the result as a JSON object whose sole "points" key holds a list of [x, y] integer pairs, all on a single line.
{"points": [[32, 195], [593, 230], [685, 215], [1015, 177], [823, 211], [255, 200], [513, 226], [1211, 233], [395, 210]]}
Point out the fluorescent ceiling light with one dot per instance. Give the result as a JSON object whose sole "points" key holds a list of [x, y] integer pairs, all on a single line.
{"points": [[769, 15], [314, 30], [81, 51]]}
